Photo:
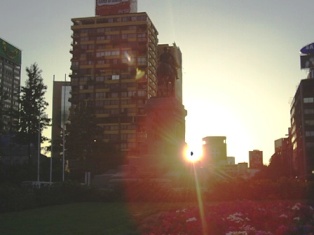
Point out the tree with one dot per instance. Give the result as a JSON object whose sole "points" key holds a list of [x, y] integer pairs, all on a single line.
{"points": [[278, 166], [32, 117], [84, 144]]}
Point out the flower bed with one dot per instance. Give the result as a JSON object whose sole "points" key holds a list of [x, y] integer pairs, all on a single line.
{"points": [[235, 218]]}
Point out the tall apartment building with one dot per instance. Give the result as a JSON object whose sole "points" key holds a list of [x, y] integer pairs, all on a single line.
{"points": [[302, 129], [114, 61], [256, 159], [10, 81], [302, 119]]}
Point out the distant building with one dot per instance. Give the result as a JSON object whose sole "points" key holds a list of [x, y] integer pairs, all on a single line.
{"points": [[10, 82], [214, 151], [256, 159], [230, 160], [60, 110], [243, 167]]}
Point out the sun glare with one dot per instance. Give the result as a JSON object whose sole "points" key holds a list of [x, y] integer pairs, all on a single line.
{"points": [[193, 152]]}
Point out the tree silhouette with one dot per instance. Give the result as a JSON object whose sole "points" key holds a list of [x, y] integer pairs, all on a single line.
{"points": [[32, 116], [84, 144], [278, 166]]}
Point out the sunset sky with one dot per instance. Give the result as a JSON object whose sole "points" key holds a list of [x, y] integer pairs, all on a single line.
{"points": [[240, 59]]}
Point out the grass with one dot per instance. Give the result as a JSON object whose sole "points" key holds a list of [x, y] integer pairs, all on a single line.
{"points": [[80, 218]]}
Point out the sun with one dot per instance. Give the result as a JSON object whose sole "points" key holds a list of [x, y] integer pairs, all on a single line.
{"points": [[193, 152]]}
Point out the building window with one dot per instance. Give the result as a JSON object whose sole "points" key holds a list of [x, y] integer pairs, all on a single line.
{"points": [[309, 122], [141, 61], [100, 95], [308, 100], [309, 111], [309, 133], [100, 54], [115, 77], [100, 79], [100, 30], [141, 93], [114, 95]]}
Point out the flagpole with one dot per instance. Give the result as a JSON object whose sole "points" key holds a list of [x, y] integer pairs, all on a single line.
{"points": [[38, 155], [63, 129], [52, 142]]}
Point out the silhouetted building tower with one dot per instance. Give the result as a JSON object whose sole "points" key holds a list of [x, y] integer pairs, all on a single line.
{"points": [[256, 159], [302, 119], [115, 56], [10, 81], [214, 151], [231, 161], [114, 61], [60, 111]]}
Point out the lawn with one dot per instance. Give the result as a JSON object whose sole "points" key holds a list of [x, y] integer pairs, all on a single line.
{"points": [[233, 217], [81, 218]]}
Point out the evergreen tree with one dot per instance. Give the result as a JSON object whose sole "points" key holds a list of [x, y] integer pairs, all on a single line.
{"points": [[32, 117], [84, 144], [278, 166]]}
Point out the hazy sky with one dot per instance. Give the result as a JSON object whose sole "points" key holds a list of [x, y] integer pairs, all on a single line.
{"points": [[240, 58]]}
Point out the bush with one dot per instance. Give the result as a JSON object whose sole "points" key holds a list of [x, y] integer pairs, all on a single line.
{"points": [[14, 198]]}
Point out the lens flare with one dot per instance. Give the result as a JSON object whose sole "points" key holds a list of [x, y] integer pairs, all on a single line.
{"points": [[128, 57], [139, 74], [193, 152]]}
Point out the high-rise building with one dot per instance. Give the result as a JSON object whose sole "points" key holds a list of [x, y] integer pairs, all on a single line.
{"points": [[302, 129], [10, 81], [114, 62], [302, 119], [256, 159], [214, 151], [60, 111]]}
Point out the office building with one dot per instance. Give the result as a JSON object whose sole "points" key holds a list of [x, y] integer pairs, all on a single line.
{"points": [[114, 69], [214, 151], [302, 119], [10, 81], [60, 112], [135, 89], [256, 159], [302, 129]]}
